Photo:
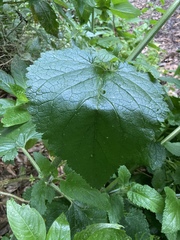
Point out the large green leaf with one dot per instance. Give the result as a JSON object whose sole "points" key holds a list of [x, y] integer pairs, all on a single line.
{"points": [[46, 16], [26, 223], [146, 197], [171, 215], [96, 118], [60, 229]]}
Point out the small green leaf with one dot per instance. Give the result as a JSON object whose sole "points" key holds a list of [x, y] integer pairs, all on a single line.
{"points": [[171, 214], [6, 81], [123, 175], [16, 137], [41, 193], [116, 210], [15, 115], [76, 188], [26, 223], [125, 9], [146, 197], [102, 231], [61, 3], [173, 148], [59, 230], [18, 71], [5, 104], [45, 15]]}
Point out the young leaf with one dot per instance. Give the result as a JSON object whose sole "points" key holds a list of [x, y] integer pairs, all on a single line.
{"points": [[92, 116], [16, 137], [59, 230], [171, 214], [76, 188], [25, 222], [173, 148], [41, 193], [123, 175], [102, 231], [146, 197], [45, 15]]}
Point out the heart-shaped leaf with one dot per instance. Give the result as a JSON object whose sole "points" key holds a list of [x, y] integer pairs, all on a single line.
{"points": [[94, 117]]}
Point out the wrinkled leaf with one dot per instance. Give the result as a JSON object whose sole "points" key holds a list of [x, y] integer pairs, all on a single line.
{"points": [[41, 193], [76, 188], [146, 197], [16, 137], [26, 223], [116, 211], [136, 224], [80, 216], [60, 229], [102, 231], [46, 16], [171, 214], [95, 118]]}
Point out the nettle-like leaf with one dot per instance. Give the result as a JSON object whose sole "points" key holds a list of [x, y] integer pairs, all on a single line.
{"points": [[25, 222], [41, 193], [16, 137], [94, 117], [146, 197], [171, 214]]}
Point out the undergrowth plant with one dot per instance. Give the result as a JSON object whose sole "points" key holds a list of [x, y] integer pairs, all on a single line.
{"points": [[111, 131]]}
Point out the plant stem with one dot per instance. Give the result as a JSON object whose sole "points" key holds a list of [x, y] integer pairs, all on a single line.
{"points": [[13, 196], [112, 185], [153, 31], [31, 160], [57, 189], [171, 135]]}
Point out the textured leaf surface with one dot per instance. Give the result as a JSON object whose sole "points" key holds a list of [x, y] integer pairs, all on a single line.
{"points": [[6, 81], [77, 189], [95, 118], [41, 193], [102, 231], [146, 197], [26, 223], [16, 137], [60, 229], [171, 214]]}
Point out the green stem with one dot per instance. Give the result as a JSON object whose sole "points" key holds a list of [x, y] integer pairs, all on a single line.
{"points": [[171, 135], [112, 185], [57, 189], [92, 22], [31, 160], [153, 31]]}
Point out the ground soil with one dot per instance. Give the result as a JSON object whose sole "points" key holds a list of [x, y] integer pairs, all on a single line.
{"points": [[13, 178]]}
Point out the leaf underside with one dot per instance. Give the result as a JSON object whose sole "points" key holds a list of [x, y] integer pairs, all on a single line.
{"points": [[95, 118]]}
